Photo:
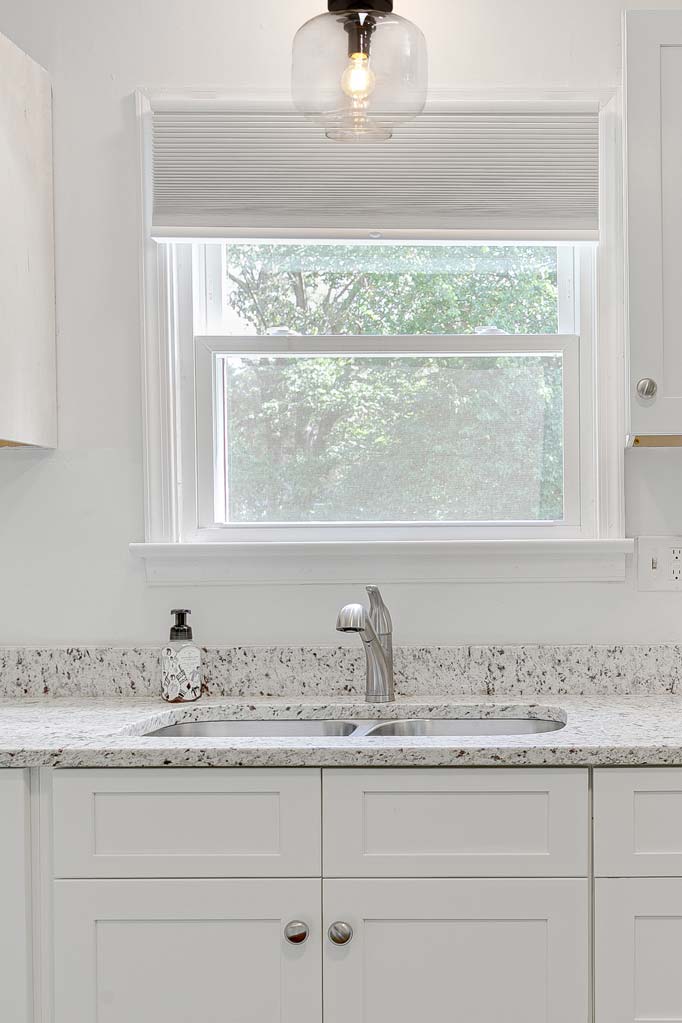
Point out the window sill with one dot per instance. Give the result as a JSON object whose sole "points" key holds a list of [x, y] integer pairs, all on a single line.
{"points": [[175, 564]]}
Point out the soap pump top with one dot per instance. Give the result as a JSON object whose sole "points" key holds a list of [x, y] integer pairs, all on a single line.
{"points": [[181, 630]]}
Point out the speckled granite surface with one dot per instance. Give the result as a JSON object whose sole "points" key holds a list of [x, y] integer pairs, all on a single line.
{"points": [[338, 672], [608, 731]]}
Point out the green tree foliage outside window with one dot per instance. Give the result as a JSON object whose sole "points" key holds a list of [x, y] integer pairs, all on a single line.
{"points": [[388, 439]]}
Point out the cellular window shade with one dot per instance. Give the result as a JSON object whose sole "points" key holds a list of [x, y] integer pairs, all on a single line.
{"points": [[221, 173]]}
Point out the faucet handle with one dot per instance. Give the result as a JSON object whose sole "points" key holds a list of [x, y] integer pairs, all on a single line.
{"points": [[379, 614]]}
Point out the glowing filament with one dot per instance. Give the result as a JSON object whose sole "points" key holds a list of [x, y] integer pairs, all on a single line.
{"points": [[358, 80]]}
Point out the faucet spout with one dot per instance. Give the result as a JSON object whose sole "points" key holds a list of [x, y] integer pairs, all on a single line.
{"points": [[376, 634], [380, 618]]}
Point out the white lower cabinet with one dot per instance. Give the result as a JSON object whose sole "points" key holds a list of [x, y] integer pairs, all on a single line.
{"points": [[179, 951], [446, 943], [435, 950], [15, 900], [638, 950]]}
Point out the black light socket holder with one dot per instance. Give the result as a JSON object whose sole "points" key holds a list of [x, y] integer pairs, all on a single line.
{"points": [[368, 6], [359, 34]]}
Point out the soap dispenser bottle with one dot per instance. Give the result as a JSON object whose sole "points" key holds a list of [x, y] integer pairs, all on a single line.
{"points": [[181, 663]]}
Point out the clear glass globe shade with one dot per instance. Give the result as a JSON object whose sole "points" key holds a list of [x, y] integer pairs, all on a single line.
{"points": [[357, 95]]}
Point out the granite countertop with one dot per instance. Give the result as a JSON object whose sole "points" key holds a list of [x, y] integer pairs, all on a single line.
{"points": [[606, 730]]}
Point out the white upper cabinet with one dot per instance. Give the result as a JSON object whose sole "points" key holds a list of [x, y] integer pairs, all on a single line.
{"points": [[28, 400], [653, 85]]}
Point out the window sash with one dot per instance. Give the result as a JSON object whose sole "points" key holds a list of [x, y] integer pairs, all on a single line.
{"points": [[209, 277], [204, 519], [190, 277]]}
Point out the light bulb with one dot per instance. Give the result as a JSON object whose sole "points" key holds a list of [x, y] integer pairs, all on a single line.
{"points": [[358, 80]]}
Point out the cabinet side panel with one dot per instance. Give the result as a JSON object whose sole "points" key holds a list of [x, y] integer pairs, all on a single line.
{"points": [[15, 954], [28, 402]]}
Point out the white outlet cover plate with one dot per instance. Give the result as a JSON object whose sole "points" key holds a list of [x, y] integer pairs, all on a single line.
{"points": [[659, 563]]}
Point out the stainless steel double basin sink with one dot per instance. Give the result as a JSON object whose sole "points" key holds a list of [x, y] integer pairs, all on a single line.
{"points": [[408, 728]]}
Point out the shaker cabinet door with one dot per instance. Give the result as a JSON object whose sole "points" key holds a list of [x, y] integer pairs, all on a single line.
{"points": [[180, 951], [638, 950], [653, 86], [477, 950]]}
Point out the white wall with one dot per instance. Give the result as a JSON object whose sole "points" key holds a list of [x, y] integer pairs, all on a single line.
{"points": [[66, 518]]}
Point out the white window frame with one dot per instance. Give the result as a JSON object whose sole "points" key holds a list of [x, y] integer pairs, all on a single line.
{"points": [[176, 550], [201, 408]]}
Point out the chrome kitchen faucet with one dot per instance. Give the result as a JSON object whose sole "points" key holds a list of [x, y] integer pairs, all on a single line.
{"points": [[375, 628]]}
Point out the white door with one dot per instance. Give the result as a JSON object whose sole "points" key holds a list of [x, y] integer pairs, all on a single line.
{"points": [[186, 951], [654, 201], [481, 951], [15, 956], [638, 950]]}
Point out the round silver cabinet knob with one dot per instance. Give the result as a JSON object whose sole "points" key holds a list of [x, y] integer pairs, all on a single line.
{"points": [[296, 932], [647, 388], [340, 933]]}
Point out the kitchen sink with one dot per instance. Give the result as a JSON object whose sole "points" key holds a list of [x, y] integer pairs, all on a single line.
{"points": [[434, 727], [409, 728], [256, 729]]}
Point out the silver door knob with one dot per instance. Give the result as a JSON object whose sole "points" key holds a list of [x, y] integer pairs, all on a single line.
{"points": [[296, 932], [647, 388], [340, 933]]}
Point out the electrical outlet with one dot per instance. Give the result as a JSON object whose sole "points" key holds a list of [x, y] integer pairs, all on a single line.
{"points": [[659, 563]]}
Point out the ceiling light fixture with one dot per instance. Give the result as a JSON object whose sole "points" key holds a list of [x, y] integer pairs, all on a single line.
{"points": [[359, 70]]}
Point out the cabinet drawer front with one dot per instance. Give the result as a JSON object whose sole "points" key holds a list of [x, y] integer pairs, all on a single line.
{"points": [[455, 823], [638, 822], [186, 950], [490, 951], [187, 823]]}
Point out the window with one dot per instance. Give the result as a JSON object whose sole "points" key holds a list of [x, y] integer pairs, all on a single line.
{"points": [[382, 391], [425, 356]]}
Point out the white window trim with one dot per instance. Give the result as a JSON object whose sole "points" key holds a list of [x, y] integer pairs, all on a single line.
{"points": [[604, 557], [421, 561]]}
